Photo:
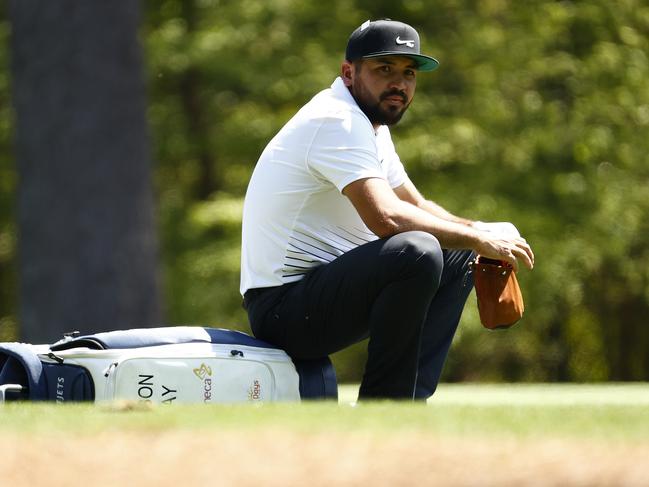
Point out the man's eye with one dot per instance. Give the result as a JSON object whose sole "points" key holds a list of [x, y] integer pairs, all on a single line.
{"points": [[385, 69]]}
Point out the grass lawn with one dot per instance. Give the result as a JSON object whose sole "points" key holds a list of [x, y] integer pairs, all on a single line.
{"points": [[466, 435]]}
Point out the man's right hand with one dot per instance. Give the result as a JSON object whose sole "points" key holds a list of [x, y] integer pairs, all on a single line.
{"points": [[509, 249]]}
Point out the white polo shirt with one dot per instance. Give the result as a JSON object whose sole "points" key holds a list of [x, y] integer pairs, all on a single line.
{"points": [[295, 216]]}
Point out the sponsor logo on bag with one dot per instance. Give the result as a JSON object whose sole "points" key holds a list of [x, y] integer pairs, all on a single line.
{"points": [[145, 390], [204, 373], [60, 385], [254, 393]]}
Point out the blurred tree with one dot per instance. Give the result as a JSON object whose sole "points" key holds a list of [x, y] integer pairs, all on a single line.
{"points": [[87, 240]]}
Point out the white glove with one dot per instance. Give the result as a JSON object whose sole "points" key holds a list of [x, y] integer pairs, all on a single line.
{"points": [[505, 229]]}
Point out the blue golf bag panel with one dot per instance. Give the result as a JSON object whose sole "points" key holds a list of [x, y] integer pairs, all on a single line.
{"points": [[19, 363], [67, 383]]}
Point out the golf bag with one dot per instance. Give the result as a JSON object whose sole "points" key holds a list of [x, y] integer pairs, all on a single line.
{"points": [[161, 365]]}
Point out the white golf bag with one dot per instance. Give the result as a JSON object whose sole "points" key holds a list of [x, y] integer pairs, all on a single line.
{"points": [[161, 365]]}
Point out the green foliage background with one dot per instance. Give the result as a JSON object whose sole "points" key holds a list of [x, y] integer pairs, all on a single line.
{"points": [[538, 114]]}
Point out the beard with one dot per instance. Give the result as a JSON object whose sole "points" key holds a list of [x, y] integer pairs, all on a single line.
{"points": [[372, 108]]}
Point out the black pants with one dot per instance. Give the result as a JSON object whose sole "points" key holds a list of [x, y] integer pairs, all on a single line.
{"points": [[404, 292]]}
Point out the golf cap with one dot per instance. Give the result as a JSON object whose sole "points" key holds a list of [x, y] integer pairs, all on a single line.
{"points": [[387, 38]]}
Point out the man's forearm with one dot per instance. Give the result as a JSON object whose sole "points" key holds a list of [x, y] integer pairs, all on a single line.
{"points": [[436, 210], [387, 212], [451, 231], [454, 235]]}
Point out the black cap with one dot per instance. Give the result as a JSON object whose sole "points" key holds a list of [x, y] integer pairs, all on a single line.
{"points": [[387, 38]]}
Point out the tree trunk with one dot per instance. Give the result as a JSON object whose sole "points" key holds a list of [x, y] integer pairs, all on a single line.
{"points": [[87, 237]]}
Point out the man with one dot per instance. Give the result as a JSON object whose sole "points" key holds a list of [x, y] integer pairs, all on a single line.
{"points": [[339, 245]]}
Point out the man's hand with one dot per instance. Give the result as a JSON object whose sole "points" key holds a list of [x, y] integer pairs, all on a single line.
{"points": [[509, 249], [505, 229]]}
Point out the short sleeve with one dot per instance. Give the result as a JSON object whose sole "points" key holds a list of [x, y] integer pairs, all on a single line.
{"points": [[344, 150], [390, 160]]}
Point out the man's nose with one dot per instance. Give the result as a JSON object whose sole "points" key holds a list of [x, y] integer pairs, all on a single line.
{"points": [[398, 81]]}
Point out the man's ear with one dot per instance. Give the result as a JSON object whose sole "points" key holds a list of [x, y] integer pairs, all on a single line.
{"points": [[346, 71]]}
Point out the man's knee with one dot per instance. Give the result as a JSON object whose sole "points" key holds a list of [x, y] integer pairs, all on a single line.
{"points": [[421, 251]]}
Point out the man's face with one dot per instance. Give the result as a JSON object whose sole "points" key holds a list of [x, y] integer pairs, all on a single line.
{"points": [[383, 87]]}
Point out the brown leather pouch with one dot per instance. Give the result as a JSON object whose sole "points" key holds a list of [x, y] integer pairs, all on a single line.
{"points": [[500, 301]]}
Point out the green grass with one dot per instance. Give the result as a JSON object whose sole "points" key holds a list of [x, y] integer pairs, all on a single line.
{"points": [[607, 412]]}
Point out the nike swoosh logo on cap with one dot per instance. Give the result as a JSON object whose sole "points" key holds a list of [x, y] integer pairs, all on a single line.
{"points": [[409, 43]]}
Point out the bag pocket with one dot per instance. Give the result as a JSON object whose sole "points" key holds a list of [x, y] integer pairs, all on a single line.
{"points": [[207, 379], [66, 383]]}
